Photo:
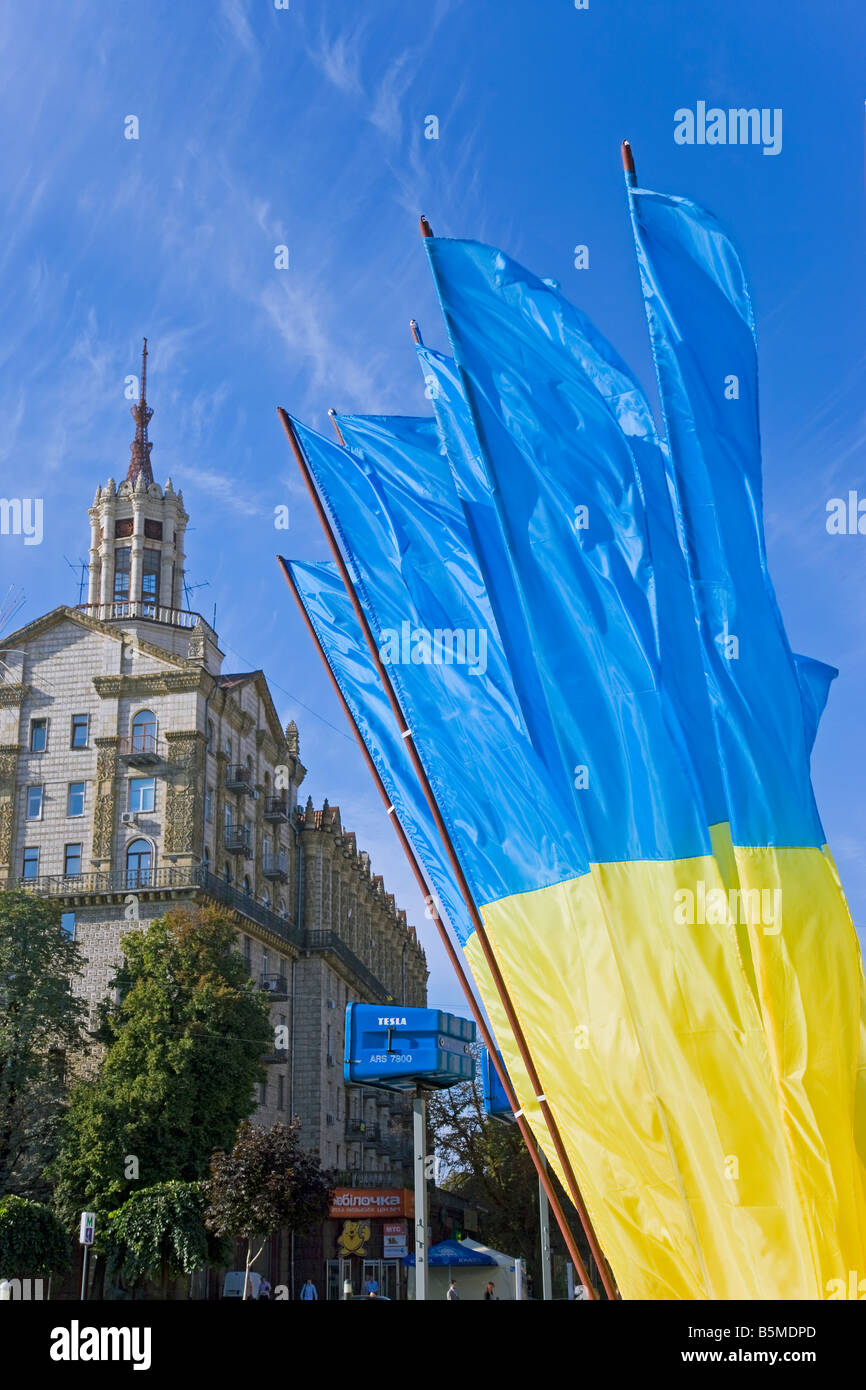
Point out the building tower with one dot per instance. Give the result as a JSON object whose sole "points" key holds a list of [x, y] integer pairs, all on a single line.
{"points": [[136, 568]]}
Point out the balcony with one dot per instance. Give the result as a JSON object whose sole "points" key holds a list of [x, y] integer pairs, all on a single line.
{"points": [[330, 941], [146, 610], [189, 883], [276, 986], [237, 840], [239, 778], [275, 866], [142, 750], [276, 808], [359, 1132], [279, 1054]]}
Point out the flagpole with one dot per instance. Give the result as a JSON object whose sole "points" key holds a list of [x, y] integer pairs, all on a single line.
{"points": [[459, 969], [477, 922]]}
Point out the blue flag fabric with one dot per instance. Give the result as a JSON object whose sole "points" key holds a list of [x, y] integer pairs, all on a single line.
{"points": [[696, 293], [556, 441], [479, 788], [330, 611]]}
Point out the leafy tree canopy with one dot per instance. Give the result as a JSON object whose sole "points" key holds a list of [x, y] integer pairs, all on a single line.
{"points": [[159, 1232], [33, 1241], [40, 1022], [183, 1050]]}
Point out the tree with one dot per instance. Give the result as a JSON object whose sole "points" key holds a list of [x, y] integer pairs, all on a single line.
{"points": [[33, 1241], [183, 1050], [40, 1021], [267, 1183], [159, 1232]]}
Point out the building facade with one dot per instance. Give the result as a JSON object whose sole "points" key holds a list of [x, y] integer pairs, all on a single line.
{"points": [[136, 774]]}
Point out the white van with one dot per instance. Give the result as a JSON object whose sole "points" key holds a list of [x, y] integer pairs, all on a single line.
{"points": [[233, 1286]]}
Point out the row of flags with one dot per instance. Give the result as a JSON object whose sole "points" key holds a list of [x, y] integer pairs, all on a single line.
{"points": [[558, 638]]}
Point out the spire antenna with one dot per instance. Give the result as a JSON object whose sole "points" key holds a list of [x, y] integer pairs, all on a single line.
{"points": [[142, 414]]}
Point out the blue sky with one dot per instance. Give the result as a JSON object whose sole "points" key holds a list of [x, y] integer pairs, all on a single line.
{"points": [[305, 127]]}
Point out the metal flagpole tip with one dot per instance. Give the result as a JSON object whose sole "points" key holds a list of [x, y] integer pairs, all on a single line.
{"points": [[415, 331], [426, 229], [628, 161]]}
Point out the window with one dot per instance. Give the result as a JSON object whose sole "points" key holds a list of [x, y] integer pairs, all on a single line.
{"points": [[78, 738], [142, 793], [30, 866], [150, 577], [75, 799], [228, 748], [144, 732], [263, 1093], [139, 864], [122, 562], [34, 803], [266, 963], [208, 803], [227, 872], [72, 860], [281, 1091], [67, 924], [228, 816], [247, 884], [207, 858], [210, 734], [247, 946], [38, 735]]}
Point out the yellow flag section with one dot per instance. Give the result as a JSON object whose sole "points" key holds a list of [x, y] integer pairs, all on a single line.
{"points": [[702, 1101]]}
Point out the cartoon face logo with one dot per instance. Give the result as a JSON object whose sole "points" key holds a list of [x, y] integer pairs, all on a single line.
{"points": [[353, 1238]]}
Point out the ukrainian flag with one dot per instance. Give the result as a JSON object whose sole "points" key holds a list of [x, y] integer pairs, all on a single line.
{"points": [[807, 971]]}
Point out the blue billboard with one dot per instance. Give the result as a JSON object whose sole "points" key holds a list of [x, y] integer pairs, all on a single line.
{"points": [[399, 1048]]}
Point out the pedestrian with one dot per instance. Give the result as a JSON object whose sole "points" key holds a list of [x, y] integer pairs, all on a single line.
{"points": [[264, 1290], [371, 1288], [490, 1291], [347, 1287], [309, 1291], [452, 1295]]}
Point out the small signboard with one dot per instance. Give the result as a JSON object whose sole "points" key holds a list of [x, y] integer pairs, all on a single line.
{"points": [[394, 1237], [400, 1048], [88, 1228]]}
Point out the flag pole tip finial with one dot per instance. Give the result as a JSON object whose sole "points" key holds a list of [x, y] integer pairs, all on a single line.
{"points": [[628, 159], [332, 412], [415, 331], [426, 229]]}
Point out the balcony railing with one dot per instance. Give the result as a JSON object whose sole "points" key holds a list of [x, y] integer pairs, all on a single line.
{"points": [[358, 1131], [237, 840], [276, 808], [330, 941], [163, 882], [144, 609], [367, 1177], [278, 1054], [239, 778], [142, 749], [275, 985], [275, 866]]}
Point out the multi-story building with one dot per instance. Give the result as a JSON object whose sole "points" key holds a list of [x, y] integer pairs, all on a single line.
{"points": [[136, 774]]}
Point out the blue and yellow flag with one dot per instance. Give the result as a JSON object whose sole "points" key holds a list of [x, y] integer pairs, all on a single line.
{"points": [[806, 967]]}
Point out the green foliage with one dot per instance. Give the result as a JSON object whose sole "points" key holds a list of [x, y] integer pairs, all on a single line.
{"points": [[183, 1053], [33, 1242], [40, 1021], [265, 1184], [159, 1232]]}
